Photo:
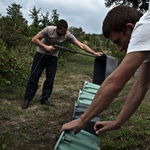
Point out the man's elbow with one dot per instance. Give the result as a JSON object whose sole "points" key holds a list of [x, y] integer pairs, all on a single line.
{"points": [[33, 40], [116, 84], [117, 88]]}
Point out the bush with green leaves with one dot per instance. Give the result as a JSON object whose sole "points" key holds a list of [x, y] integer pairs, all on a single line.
{"points": [[5, 62], [15, 63], [63, 55], [113, 51]]}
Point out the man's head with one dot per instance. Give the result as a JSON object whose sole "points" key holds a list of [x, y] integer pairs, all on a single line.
{"points": [[62, 27], [119, 23]]}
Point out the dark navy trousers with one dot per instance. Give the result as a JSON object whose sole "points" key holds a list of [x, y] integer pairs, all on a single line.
{"points": [[50, 63]]}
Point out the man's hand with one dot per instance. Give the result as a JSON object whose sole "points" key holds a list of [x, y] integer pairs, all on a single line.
{"points": [[37, 41], [105, 126], [49, 48], [75, 124], [98, 54]]}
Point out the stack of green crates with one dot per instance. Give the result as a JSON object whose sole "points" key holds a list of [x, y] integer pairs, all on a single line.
{"points": [[85, 139]]}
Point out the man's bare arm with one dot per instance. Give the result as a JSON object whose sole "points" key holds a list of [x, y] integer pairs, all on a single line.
{"points": [[109, 90], [37, 41], [86, 48], [133, 101], [136, 94]]}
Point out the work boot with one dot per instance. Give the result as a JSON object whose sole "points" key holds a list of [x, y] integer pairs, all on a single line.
{"points": [[46, 102], [25, 104]]}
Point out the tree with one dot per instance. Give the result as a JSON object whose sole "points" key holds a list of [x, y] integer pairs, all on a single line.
{"points": [[14, 15], [13, 25], [54, 17], [95, 40], [34, 16], [92, 40], [115, 53], [107, 43], [77, 32], [45, 21], [138, 4]]}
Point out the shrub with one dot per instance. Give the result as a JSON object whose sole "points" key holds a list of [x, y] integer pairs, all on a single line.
{"points": [[113, 51]]}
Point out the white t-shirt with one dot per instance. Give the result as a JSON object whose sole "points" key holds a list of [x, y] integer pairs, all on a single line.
{"points": [[140, 38], [50, 37]]}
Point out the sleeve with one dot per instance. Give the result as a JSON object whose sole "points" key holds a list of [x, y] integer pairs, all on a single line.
{"points": [[71, 38], [44, 32], [140, 38]]}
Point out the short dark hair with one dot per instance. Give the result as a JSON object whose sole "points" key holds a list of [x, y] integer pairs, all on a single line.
{"points": [[62, 23], [118, 17]]}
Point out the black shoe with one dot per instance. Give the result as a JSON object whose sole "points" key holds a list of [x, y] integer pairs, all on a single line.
{"points": [[46, 102], [25, 104]]}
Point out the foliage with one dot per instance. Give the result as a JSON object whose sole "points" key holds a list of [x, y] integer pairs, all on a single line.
{"points": [[45, 20], [15, 15], [102, 38], [7, 62], [63, 55], [32, 31], [15, 37], [3, 52], [138, 4], [107, 43], [13, 27], [113, 51], [95, 40], [34, 15], [92, 40], [77, 32], [54, 17], [41, 21]]}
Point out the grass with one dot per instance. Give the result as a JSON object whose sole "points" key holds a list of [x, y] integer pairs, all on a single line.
{"points": [[134, 134], [37, 127]]}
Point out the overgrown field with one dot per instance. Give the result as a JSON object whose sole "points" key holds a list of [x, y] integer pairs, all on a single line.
{"points": [[37, 128]]}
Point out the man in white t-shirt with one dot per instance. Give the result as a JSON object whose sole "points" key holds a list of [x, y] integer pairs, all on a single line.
{"points": [[130, 31], [49, 36]]}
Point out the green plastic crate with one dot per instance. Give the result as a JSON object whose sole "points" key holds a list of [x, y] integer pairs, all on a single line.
{"points": [[82, 141], [90, 87], [85, 97]]}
